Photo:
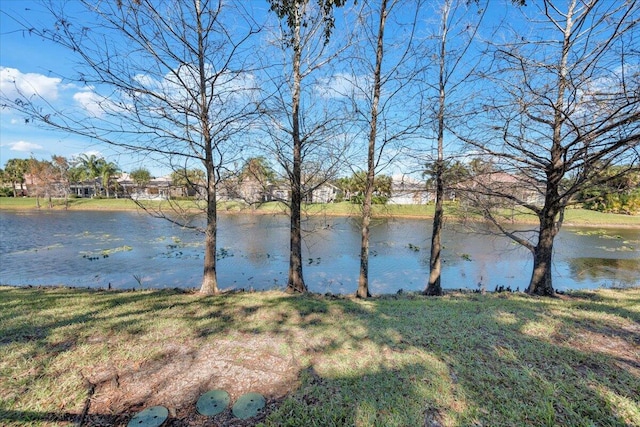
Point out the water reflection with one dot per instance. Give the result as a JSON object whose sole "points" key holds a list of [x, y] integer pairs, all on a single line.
{"points": [[127, 249], [611, 272]]}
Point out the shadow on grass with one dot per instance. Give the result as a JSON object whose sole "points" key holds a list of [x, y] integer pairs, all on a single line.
{"points": [[405, 361], [33, 417], [456, 362], [27, 328]]}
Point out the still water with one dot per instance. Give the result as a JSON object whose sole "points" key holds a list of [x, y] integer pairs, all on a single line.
{"points": [[133, 250]]}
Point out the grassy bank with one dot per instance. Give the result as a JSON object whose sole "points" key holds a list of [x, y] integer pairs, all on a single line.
{"points": [[578, 217], [464, 359]]}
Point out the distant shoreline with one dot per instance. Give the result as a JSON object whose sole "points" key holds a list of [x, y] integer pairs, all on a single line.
{"points": [[573, 217]]}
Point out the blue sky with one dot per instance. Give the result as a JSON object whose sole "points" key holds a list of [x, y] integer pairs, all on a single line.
{"points": [[36, 64]]}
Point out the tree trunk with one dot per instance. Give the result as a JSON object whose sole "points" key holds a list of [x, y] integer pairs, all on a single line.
{"points": [[363, 279], [434, 288], [541, 279], [541, 282], [209, 279], [295, 281]]}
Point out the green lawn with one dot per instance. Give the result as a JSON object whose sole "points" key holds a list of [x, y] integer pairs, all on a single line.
{"points": [[579, 217], [405, 360], [18, 203]]}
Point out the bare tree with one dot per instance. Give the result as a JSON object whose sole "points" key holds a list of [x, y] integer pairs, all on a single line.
{"points": [[455, 66], [376, 96], [45, 179], [171, 79], [567, 105], [305, 33], [61, 167]]}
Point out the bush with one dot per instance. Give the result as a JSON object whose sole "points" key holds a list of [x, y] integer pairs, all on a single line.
{"points": [[617, 203], [375, 200], [6, 192]]}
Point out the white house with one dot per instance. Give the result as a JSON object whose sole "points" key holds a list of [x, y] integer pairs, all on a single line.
{"points": [[408, 191]]}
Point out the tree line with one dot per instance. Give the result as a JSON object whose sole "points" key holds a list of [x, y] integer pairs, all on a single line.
{"points": [[54, 176], [58, 175], [548, 95], [620, 194]]}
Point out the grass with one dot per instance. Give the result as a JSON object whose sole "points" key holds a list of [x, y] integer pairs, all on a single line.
{"points": [[402, 360], [19, 203], [577, 217]]}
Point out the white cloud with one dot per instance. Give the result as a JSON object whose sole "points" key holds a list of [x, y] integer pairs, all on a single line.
{"points": [[90, 102], [89, 153], [343, 85], [14, 84], [25, 146], [146, 81]]}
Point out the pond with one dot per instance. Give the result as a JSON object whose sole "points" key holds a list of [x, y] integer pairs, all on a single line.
{"points": [[133, 250]]}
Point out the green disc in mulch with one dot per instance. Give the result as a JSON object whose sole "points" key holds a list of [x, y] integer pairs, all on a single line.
{"points": [[248, 405], [150, 417], [213, 402]]}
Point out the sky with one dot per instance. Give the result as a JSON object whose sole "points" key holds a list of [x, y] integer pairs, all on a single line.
{"points": [[35, 65], [29, 57]]}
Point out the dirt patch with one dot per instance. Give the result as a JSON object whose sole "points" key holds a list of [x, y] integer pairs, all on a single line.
{"points": [[183, 372], [624, 352]]}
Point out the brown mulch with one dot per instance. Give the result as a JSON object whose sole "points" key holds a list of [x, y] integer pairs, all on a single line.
{"points": [[183, 373]]}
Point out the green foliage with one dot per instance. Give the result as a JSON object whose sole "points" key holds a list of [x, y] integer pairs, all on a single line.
{"points": [[453, 172], [618, 203], [187, 177], [14, 172], [16, 169], [353, 188], [617, 191], [89, 165], [291, 11], [140, 176], [358, 199], [259, 169]]}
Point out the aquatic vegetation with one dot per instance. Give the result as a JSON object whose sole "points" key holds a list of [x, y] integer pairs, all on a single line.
{"points": [[413, 247], [603, 234], [104, 253], [103, 237], [223, 253]]}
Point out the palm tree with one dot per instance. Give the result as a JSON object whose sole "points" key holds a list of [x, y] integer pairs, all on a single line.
{"points": [[91, 166], [107, 171], [15, 169]]}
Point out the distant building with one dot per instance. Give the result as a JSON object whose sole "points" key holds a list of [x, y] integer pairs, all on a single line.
{"points": [[156, 189], [248, 190], [409, 191], [325, 193], [497, 187]]}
